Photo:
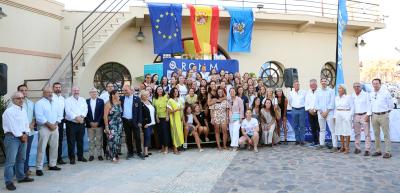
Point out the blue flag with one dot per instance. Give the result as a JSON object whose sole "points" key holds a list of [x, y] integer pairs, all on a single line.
{"points": [[241, 28], [166, 22], [342, 19]]}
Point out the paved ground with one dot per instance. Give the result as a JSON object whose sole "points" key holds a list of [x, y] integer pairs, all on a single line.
{"points": [[278, 169]]}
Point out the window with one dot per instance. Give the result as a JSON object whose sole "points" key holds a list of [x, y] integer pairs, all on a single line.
{"points": [[328, 71], [272, 74], [112, 72]]}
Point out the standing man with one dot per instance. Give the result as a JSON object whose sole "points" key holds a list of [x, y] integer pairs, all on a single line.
{"points": [[16, 131], [29, 108], [106, 97], [381, 105], [325, 104], [362, 114], [312, 111], [297, 102], [46, 114], [95, 124], [59, 102], [75, 113], [132, 118]]}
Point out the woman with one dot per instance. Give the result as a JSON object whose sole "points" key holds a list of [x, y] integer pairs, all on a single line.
{"points": [[146, 82], [160, 103], [243, 97], [191, 125], [220, 118], [154, 81], [268, 121], [164, 84], [249, 129], [202, 99], [191, 98], [212, 98], [251, 94], [175, 110], [270, 96], [262, 92], [237, 82], [256, 108], [148, 121], [113, 125], [203, 82], [174, 82], [181, 86], [198, 78], [282, 103], [344, 109], [150, 90], [235, 116], [202, 128]]}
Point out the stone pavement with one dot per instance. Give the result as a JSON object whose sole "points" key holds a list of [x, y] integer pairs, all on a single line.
{"points": [[285, 168]]}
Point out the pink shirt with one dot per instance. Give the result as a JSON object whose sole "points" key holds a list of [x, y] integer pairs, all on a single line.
{"points": [[237, 107]]}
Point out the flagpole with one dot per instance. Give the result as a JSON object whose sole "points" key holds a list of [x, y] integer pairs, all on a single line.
{"points": [[337, 44]]}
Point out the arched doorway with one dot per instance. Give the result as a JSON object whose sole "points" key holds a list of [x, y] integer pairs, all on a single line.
{"points": [[113, 72], [328, 71], [271, 73]]}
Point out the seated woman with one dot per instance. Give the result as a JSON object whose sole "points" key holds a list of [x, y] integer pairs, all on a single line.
{"points": [[268, 122], [191, 125], [249, 131], [202, 128], [191, 98]]}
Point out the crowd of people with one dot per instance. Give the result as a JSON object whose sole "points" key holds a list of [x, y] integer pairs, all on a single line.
{"points": [[189, 106]]}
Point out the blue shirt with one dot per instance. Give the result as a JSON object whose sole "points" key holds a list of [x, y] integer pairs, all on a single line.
{"points": [[128, 102], [325, 100], [46, 111]]}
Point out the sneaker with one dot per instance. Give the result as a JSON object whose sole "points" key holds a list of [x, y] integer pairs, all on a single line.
{"points": [[185, 146], [357, 151], [82, 159], [26, 179], [387, 155], [377, 154], [11, 187], [39, 172], [55, 168], [366, 153], [91, 158], [100, 158]]}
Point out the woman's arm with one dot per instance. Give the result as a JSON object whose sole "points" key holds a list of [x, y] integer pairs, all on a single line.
{"points": [[107, 108], [196, 121]]}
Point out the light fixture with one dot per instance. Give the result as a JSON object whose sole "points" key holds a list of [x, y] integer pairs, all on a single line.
{"points": [[2, 14], [260, 6], [140, 36], [361, 43]]}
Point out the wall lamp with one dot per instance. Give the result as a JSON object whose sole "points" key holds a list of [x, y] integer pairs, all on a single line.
{"points": [[361, 43], [140, 36]]}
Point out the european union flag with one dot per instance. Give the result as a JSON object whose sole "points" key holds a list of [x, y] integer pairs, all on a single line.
{"points": [[241, 28], [166, 22]]}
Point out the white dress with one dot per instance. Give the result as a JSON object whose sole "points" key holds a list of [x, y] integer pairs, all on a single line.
{"points": [[344, 108], [182, 91]]}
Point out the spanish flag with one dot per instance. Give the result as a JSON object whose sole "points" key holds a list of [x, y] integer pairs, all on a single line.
{"points": [[205, 23]]}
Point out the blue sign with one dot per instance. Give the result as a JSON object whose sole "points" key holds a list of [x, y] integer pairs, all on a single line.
{"points": [[173, 65], [341, 27]]}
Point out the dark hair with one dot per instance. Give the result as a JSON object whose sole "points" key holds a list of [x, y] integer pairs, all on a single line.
{"points": [[156, 93], [209, 88], [223, 91], [56, 83], [152, 79], [198, 73], [22, 85], [162, 78], [377, 79], [254, 105], [271, 109], [187, 105], [171, 93], [113, 92], [283, 96]]}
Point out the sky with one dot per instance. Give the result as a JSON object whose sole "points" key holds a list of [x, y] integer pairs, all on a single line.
{"points": [[380, 44]]}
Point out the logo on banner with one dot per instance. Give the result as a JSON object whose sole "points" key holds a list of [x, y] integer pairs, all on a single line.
{"points": [[201, 18], [239, 27], [172, 65]]}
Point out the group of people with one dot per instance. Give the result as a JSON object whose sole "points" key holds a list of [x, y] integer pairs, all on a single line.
{"points": [[189, 104]]}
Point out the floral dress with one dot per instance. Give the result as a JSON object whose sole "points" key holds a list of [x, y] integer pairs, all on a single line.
{"points": [[115, 126], [220, 112]]}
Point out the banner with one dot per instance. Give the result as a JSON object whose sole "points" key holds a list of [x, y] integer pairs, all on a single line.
{"points": [[172, 65], [341, 27], [166, 22], [154, 69], [205, 23], [241, 29]]}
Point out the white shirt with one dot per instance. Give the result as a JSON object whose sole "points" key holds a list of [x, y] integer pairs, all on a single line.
{"points": [[75, 108], [310, 100], [297, 99], [152, 112], [249, 126], [362, 103], [128, 102], [381, 101], [105, 96], [325, 100], [15, 121], [93, 106], [59, 101], [46, 111], [344, 102], [204, 75]]}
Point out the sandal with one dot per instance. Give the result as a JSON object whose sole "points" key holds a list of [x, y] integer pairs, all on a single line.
{"points": [[387, 155]]}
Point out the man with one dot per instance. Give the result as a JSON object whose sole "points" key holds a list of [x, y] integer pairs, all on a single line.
{"points": [[46, 115], [381, 105], [29, 107], [362, 114], [325, 104], [75, 113], [106, 94], [132, 118], [312, 111], [16, 131], [59, 102], [297, 102], [95, 124]]}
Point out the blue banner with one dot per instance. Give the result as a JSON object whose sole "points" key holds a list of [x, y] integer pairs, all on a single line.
{"points": [[342, 19], [173, 65], [166, 22], [154, 69], [241, 28]]}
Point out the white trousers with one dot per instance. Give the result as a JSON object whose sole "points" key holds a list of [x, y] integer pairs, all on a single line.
{"points": [[47, 137], [322, 129], [268, 133], [234, 128]]}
